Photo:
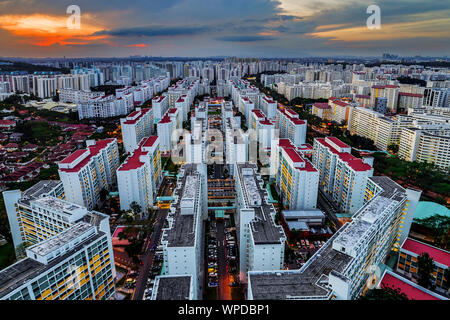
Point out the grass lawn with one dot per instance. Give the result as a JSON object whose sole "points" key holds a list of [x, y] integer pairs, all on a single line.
{"points": [[7, 255]]}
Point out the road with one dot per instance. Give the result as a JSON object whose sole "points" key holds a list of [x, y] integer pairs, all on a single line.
{"points": [[328, 207], [144, 271], [224, 292]]}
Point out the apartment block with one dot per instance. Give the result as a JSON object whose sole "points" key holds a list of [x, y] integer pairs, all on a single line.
{"points": [[407, 264], [136, 126], [342, 176], [86, 172], [25, 225], [261, 241], [295, 176], [75, 264], [182, 240], [339, 269], [426, 143], [140, 174], [290, 126]]}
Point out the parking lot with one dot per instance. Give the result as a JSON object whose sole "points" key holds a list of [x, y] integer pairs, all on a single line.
{"points": [[222, 260]]}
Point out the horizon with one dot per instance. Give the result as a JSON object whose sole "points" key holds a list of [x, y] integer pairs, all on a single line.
{"points": [[255, 28]]}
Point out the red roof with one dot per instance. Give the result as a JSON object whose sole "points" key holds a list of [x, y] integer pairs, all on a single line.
{"points": [[150, 141], [360, 96], [285, 143], [412, 292], [93, 150], [134, 114], [415, 95], [7, 122], [308, 167], [258, 113], [295, 157], [74, 156], [165, 119], [158, 99], [353, 162], [322, 105], [340, 103], [297, 121], [438, 255], [266, 122], [338, 142], [133, 162]]}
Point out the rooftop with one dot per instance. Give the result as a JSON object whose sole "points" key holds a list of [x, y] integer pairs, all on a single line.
{"points": [[412, 291], [173, 288], [61, 239], [27, 269], [263, 227], [439, 255], [93, 151], [182, 232]]}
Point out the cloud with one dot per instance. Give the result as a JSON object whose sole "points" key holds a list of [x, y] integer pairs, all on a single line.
{"points": [[154, 31], [246, 38], [138, 45]]}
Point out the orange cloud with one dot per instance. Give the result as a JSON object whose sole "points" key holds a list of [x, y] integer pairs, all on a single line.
{"points": [[433, 28], [45, 30], [139, 45]]}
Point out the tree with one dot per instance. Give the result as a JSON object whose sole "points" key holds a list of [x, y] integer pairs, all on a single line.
{"points": [[134, 249], [103, 194], [394, 148], [384, 293], [135, 207], [425, 266]]}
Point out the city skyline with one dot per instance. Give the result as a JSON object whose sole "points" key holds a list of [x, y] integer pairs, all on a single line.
{"points": [[259, 28]]}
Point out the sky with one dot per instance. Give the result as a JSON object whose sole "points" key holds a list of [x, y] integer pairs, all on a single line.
{"points": [[244, 28]]}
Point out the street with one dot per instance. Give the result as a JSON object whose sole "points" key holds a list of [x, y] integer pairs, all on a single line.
{"points": [[224, 288], [141, 281], [328, 207]]}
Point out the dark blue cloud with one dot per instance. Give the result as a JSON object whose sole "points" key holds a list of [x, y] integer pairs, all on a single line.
{"points": [[155, 31], [246, 38]]}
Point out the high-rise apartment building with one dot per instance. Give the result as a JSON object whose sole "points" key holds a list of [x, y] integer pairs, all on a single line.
{"points": [[342, 176], [340, 268], [182, 240], [290, 126], [25, 224], [261, 241], [136, 126], [75, 264], [295, 176], [140, 174], [86, 172]]}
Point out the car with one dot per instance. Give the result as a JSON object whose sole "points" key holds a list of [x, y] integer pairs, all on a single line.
{"points": [[212, 265], [212, 270], [213, 284], [213, 274]]}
